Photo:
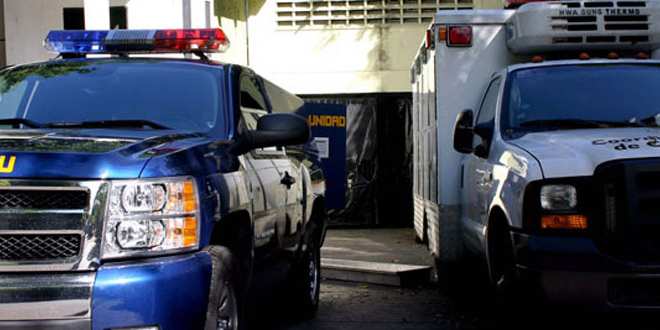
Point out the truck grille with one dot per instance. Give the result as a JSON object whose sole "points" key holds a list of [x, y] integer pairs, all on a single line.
{"points": [[631, 209], [39, 247], [43, 200]]}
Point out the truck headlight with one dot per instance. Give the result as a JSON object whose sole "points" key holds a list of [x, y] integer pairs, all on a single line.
{"points": [[558, 197], [151, 217]]}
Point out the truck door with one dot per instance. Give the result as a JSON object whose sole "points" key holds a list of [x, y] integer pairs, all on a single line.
{"points": [[478, 169], [287, 160], [266, 176], [291, 180]]}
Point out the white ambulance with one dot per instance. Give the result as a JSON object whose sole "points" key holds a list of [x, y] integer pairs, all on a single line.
{"points": [[537, 147]]}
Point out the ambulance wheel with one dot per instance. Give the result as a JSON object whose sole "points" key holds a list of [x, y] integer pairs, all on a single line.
{"points": [[501, 266]]}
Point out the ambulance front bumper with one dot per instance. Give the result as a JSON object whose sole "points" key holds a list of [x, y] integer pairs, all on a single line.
{"points": [[572, 271]]}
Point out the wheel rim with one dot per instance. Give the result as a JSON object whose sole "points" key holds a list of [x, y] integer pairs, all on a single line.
{"points": [[313, 276], [227, 317]]}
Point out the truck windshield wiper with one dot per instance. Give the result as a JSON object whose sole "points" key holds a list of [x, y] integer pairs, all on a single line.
{"points": [[649, 121], [17, 122], [109, 124], [576, 123]]}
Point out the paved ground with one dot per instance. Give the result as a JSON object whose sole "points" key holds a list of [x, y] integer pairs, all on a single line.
{"points": [[465, 305], [376, 245], [348, 306]]}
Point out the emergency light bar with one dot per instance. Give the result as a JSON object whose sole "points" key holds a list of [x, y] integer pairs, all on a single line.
{"points": [[137, 41]]}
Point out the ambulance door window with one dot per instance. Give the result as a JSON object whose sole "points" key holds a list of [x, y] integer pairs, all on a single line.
{"points": [[486, 116]]}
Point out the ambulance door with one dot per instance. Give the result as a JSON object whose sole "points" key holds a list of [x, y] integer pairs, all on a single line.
{"points": [[478, 171]]}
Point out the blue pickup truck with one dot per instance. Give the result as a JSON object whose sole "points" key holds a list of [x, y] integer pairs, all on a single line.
{"points": [[139, 192]]}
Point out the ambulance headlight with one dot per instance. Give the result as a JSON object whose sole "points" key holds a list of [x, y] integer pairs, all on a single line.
{"points": [[558, 197], [151, 217]]}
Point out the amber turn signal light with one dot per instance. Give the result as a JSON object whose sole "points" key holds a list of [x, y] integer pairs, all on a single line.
{"points": [[564, 221]]}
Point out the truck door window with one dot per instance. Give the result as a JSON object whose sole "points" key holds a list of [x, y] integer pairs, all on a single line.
{"points": [[251, 96], [253, 107], [486, 116]]}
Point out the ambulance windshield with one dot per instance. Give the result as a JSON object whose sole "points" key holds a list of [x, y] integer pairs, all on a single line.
{"points": [[581, 96]]}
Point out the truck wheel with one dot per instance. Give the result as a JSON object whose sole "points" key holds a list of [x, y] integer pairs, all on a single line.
{"points": [[227, 315], [224, 308], [306, 280]]}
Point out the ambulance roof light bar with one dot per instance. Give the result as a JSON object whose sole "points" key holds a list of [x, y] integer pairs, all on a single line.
{"points": [[82, 42]]}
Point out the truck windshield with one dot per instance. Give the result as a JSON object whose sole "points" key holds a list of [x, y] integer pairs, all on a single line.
{"points": [[581, 96], [113, 92]]}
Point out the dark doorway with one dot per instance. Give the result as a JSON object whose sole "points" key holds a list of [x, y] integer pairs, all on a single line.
{"points": [[118, 18], [378, 159], [74, 18]]}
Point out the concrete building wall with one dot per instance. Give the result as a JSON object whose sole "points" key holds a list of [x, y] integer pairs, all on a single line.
{"points": [[342, 59], [339, 61], [27, 22], [3, 52], [236, 31]]}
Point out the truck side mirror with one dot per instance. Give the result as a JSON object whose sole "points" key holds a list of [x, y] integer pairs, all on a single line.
{"points": [[464, 132], [274, 130]]}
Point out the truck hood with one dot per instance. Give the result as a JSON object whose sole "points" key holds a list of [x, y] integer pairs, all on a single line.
{"points": [[578, 152], [86, 154]]}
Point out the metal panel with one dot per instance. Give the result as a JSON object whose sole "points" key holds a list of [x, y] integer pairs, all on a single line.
{"points": [[45, 296], [296, 13], [86, 222]]}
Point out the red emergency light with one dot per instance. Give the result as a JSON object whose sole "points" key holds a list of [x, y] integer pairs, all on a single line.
{"points": [[185, 40], [459, 36], [430, 41], [137, 41]]}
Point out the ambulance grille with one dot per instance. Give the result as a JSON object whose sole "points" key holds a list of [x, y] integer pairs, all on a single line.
{"points": [[44, 199], [630, 204], [38, 247]]}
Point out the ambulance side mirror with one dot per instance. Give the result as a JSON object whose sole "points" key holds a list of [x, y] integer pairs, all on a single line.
{"points": [[464, 132]]}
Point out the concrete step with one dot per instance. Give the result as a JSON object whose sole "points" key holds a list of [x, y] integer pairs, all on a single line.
{"points": [[375, 272]]}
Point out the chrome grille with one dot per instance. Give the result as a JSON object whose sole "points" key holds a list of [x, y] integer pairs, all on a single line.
{"points": [[39, 247], [44, 199], [51, 225]]}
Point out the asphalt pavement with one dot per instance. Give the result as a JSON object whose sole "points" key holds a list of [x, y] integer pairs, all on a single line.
{"points": [[354, 306], [464, 304]]}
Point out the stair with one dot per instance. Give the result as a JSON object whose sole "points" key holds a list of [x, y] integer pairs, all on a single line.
{"points": [[375, 272]]}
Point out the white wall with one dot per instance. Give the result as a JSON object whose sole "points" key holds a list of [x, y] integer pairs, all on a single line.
{"points": [[27, 22], [236, 32], [155, 14], [370, 59]]}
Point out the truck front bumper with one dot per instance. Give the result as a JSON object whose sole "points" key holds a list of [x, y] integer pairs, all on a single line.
{"points": [[161, 293], [572, 271]]}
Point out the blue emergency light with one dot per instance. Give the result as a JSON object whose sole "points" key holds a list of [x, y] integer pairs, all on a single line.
{"points": [[137, 41]]}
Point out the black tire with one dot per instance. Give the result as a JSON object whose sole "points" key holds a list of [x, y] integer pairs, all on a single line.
{"points": [[502, 268], [306, 281], [224, 311]]}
